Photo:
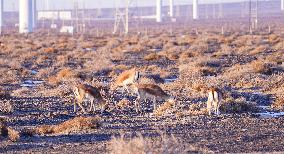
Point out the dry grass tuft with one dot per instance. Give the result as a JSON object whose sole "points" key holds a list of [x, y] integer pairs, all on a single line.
{"points": [[259, 66], [124, 103], [7, 132], [273, 38], [239, 105], [145, 80], [161, 110], [64, 74], [49, 50], [197, 109], [278, 103], [72, 125], [158, 145], [6, 107], [258, 50], [152, 56], [13, 135]]}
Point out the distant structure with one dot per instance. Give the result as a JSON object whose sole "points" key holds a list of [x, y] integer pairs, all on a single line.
{"points": [[171, 8], [25, 16], [122, 16], [220, 15], [253, 15], [34, 14], [159, 11], [195, 15], [1, 15]]}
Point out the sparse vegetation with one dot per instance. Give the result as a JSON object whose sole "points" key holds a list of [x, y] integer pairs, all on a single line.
{"points": [[159, 145], [6, 107], [239, 105], [69, 126], [39, 71], [152, 56]]}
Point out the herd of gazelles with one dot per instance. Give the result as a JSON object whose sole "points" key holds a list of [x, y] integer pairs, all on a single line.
{"points": [[128, 79]]}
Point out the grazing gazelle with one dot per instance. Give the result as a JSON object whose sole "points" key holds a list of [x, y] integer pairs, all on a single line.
{"points": [[214, 101], [152, 92], [93, 94], [127, 78]]}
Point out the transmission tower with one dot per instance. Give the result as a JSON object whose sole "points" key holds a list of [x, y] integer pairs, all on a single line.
{"points": [[79, 16], [122, 15], [253, 14]]}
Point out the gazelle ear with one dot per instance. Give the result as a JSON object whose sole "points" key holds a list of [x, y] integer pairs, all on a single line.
{"points": [[93, 81]]}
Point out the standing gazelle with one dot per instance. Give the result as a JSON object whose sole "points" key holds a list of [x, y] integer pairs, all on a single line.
{"points": [[214, 101], [93, 94], [149, 91], [127, 78]]}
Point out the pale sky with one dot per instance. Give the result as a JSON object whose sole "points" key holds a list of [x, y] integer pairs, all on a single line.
{"points": [[68, 4]]}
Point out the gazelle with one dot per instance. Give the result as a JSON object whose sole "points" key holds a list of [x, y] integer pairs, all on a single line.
{"points": [[214, 101], [127, 78], [93, 94], [152, 92]]}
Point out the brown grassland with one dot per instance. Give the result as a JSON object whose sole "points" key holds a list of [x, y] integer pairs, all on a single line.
{"points": [[37, 75]]}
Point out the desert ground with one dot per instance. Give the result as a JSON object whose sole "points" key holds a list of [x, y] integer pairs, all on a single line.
{"points": [[39, 70]]}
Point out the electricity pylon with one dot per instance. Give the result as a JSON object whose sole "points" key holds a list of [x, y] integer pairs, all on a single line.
{"points": [[122, 15]]}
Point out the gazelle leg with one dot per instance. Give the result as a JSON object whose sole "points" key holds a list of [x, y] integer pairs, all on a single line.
{"points": [[218, 109], [137, 104], [154, 102], [126, 88], [75, 105], [92, 105], [81, 106], [209, 107]]}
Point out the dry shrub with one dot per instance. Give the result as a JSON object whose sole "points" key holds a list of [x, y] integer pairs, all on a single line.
{"points": [[259, 66], [53, 80], [20, 92], [100, 60], [7, 132], [72, 125], [199, 86], [152, 56], [124, 103], [208, 71], [239, 105], [6, 107], [245, 49], [173, 56], [273, 38], [197, 109], [138, 48], [258, 50], [198, 49], [278, 58], [49, 50], [224, 50], [162, 110], [65, 74], [158, 145], [13, 135], [185, 56], [145, 80], [113, 42], [278, 46], [278, 103], [121, 67]]}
